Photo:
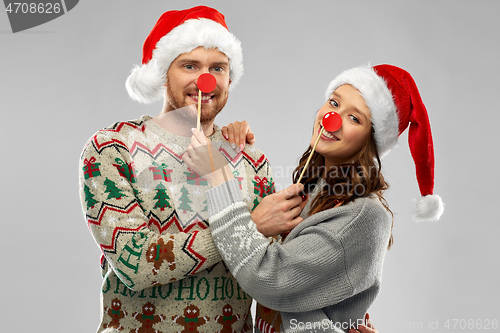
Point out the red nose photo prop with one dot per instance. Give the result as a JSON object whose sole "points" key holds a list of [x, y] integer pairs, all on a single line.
{"points": [[332, 121], [206, 82]]}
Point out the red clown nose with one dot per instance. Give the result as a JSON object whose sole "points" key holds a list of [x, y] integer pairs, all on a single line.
{"points": [[332, 121], [206, 82]]}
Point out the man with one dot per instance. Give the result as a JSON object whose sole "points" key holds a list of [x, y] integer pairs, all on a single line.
{"points": [[146, 210]]}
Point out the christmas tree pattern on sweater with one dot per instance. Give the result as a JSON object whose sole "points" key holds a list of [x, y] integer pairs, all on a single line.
{"points": [[148, 214]]}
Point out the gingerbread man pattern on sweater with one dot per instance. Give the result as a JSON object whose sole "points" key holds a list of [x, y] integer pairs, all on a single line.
{"points": [[148, 214]]}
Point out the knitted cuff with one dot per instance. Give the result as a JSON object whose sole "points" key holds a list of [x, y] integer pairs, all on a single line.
{"points": [[209, 249], [222, 196]]}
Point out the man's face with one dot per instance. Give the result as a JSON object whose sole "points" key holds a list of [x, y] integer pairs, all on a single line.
{"points": [[183, 74]]}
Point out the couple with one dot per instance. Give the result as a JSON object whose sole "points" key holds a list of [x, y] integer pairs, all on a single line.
{"points": [[165, 269]]}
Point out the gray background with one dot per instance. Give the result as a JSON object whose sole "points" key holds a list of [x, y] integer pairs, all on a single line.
{"points": [[64, 80]]}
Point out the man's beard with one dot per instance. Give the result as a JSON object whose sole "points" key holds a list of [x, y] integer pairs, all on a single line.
{"points": [[208, 111]]}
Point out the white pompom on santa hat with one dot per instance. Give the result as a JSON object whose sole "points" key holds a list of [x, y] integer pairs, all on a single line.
{"points": [[177, 32], [395, 103]]}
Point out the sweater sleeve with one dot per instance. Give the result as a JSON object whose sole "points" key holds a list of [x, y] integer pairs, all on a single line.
{"points": [[311, 271], [140, 257]]}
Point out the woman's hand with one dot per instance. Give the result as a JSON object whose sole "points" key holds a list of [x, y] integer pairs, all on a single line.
{"points": [[279, 212], [365, 329], [205, 159], [238, 133]]}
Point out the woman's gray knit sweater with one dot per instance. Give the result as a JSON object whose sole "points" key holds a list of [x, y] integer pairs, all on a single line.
{"points": [[326, 273]]}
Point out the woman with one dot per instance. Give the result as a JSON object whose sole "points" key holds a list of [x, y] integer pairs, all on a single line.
{"points": [[326, 272]]}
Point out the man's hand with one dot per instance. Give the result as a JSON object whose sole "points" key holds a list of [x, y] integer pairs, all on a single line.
{"points": [[238, 133], [279, 212], [365, 329], [206, 160]]}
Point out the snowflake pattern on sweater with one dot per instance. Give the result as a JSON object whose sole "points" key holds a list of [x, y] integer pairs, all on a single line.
{"points": [[320, 273], [148, 214]]}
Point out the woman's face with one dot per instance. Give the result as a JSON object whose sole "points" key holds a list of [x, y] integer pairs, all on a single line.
{"points": [[344, 145]]}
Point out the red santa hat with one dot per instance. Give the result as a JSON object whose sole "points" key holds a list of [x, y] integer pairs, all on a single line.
{"points": [[177, 32], [395, 103]]}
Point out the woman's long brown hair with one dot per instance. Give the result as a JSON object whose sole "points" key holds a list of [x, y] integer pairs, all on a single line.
{"points": [[345, 183]]}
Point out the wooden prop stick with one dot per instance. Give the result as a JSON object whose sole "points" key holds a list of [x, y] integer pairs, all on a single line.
{"points": [[199, 111], [210, 153], [332, 122], [222, 169], [310, 155], [206, 83]]}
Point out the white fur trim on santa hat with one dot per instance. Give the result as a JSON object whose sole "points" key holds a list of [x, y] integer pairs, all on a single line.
{"points": [[429, 208], [379, 100], [146, 83]]}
